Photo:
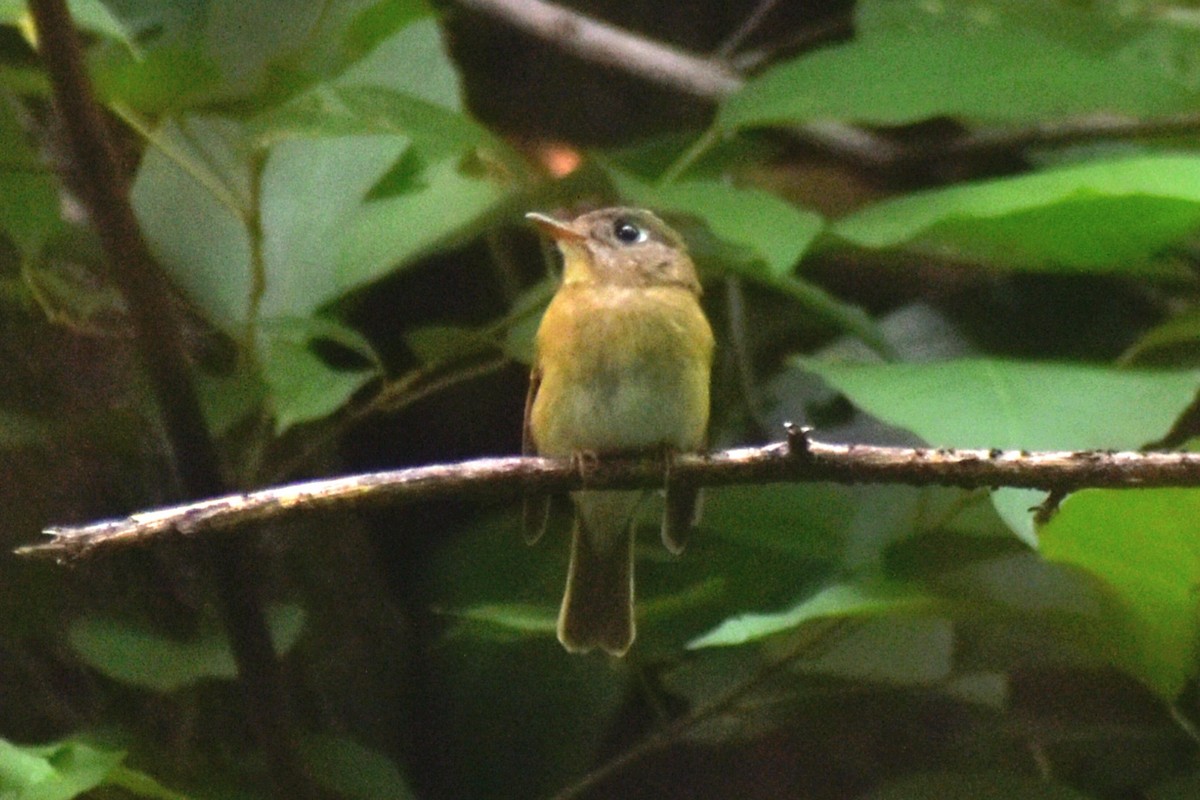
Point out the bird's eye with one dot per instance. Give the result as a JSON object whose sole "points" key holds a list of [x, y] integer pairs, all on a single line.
{"points": [[627, 232]]}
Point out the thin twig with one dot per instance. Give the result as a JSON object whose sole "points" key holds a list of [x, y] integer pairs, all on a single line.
{"points": [[732, 42], [800, 459]]}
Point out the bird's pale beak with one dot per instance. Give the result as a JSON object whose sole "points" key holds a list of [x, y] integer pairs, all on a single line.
{"points": [[556, 230]]}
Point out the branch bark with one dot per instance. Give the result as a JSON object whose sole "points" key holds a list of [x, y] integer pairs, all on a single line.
{"points": [[799, 459]]}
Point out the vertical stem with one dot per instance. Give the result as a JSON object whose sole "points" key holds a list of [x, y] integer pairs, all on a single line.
{"points": [[104, 191]]}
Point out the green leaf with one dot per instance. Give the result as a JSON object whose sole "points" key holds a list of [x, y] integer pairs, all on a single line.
{"points": [[302, 387], [165, 78], [29, 202], [995, 70], [140, 784], [838, 601], [1146, 546], [138, 656], [311, 189], [507, 619], [986, 403], [54, 772], [437, 131], [775, 231], [353, 771], [394, 231], [378, 21], [1110, 216], [410, 62], [192, 198]]}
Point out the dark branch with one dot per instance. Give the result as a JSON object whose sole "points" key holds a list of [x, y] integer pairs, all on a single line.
{"points": [[799, 460]]}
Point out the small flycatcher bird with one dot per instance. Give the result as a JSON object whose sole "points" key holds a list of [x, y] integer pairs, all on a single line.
{"points": [[622, 363]]}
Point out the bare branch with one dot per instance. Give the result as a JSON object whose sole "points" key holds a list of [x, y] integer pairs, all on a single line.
{"points": [[798, 460], [606, 44]]}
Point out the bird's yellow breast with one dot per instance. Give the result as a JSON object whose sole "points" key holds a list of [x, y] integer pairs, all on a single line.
{"points": [[622, 368]]}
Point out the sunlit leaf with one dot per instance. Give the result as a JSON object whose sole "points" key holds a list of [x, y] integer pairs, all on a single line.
{"points": [[1146, 546], [1111, 216], [988, 403], [838, 601], [54, 772], [392, 231]]}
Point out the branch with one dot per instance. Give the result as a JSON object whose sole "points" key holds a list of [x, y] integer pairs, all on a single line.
{"points": [[611, 46], [800, 459], [714, 79]]}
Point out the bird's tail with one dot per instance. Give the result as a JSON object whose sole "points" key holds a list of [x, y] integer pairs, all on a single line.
{"points": [[597, 607]]}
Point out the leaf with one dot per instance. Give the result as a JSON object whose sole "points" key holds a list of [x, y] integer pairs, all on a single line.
{"points": [[393, 231], [410, 62], [775, 231], [29, 202], [1146, 546], [996, 70], [54, 772], [311, 189], [192, 196], [507, 619], [837, 601], [438, 131], [166, 78], [353, 771], [302, 386], [138, 656], [988, 403], [1112, 216]]}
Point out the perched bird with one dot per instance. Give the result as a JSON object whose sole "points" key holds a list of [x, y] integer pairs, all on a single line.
{"points": [[622, 364]]}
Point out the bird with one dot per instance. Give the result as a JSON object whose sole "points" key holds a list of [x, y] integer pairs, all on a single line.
{"points": [[622, 366]]}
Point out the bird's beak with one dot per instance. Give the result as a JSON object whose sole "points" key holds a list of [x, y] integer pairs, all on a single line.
{"points": [[558, 231]]}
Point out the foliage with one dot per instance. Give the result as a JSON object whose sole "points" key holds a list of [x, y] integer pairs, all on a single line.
{"points": [[346, 241]]}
